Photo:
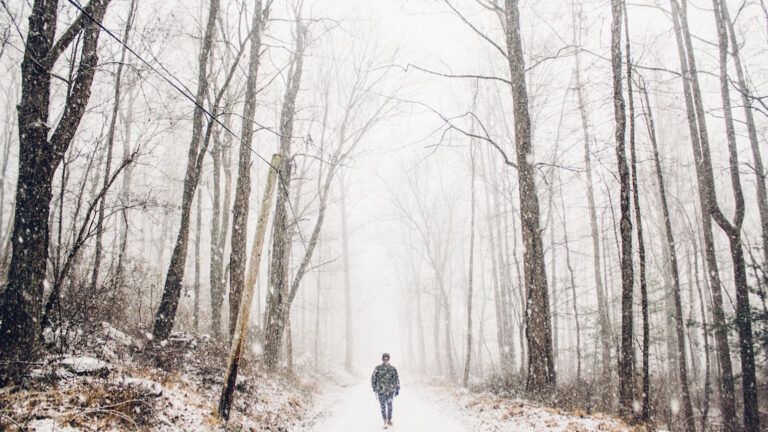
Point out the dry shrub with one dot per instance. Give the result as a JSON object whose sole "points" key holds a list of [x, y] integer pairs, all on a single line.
{"points": [[126, 407], [89, 404]]}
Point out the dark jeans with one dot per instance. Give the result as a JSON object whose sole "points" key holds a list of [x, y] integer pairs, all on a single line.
{"points": [[385, 401]]}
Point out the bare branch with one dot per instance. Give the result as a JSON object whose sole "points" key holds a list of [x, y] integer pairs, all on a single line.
{"points": [[482, 77], [476, 30]]}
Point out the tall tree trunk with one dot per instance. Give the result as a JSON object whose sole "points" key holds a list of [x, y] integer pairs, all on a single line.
{"points": [[318, 297], [553, 252], [314, 239], [215, 279], [219, 226], [420, 329], [447, 328], [417, 294], [501, 323], [277, 306], [573, 289], [698, 135], [243, 187], [470, 280], [522, 299], [733, 231], [746, 100], [673, 267], [243, 316], [198, 242], [436, 334], [348, 341], [705, 330], [639, 223], [504, 275], [480, 363], [110, 146], [626, 354], [602, 306], [514, 311], [169, 303], [125, 193], [645, 413], [692, 330], [551, 225], [541, 365], [39, 156]]}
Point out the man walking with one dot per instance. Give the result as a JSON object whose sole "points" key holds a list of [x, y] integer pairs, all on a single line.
{"points": [[386, 385]]}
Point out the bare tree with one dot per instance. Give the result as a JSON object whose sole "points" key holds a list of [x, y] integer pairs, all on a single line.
{"points": [[733, 230], [87, 229], [503, 320], [276, 318], [361, 110], [673, 267], [125, 190], [348, 331], [40, 153], [243, 187], [573, 289], [746, 100], [166, 312], [198, 241], [602, 307], [541, 366], [697, 130], [470, 279], [243, 315], [626, 354], [111, 142], [219, 223]]}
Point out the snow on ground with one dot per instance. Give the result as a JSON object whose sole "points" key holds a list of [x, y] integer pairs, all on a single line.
{"points": [[493, 413], [425, 408], [112, 385]]}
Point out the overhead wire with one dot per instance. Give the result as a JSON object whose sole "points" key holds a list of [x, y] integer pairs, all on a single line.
{"points": [[178, 88], [199, 106]]}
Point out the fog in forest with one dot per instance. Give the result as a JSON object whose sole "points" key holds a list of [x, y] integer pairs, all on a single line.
{"points": [[218, 214]]}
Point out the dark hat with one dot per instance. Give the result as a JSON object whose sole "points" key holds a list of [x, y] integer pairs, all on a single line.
{"points": [[385, 356]]}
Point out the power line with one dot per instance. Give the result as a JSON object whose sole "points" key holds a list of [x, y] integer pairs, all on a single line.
{"points": [[199, 106], [210, 115]]}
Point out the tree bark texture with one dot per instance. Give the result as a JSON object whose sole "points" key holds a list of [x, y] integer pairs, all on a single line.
{"points": [[278, 280], [169, 303], [243, 187], [626, 352], [698, 135], [39, 156], [541, 366], [243, 315]]}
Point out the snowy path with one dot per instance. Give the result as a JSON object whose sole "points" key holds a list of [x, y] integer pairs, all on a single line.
{"points": [[357, 409], [424, 408]]}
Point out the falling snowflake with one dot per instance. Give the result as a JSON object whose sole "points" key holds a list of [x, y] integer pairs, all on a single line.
{"points": [[674, 406], [257, 348]]}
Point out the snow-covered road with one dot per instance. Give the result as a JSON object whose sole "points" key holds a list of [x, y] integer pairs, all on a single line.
{"points": [[357, 409]]}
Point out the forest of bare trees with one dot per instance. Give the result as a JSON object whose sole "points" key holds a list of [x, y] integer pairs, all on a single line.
{"points": [[560, 201]]}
